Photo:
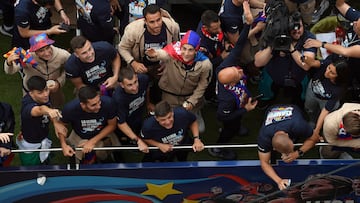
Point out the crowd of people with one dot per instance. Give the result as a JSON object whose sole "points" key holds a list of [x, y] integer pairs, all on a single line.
{"points": [[150, 89]]}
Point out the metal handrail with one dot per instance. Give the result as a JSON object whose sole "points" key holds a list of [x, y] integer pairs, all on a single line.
{"points": [[152, 148]]}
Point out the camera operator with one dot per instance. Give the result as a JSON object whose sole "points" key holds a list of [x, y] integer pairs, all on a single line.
{"points": [[283, 65], [351, 48]]}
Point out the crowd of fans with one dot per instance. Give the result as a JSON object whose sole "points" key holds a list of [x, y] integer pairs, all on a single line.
{"points": [[150, 88]]}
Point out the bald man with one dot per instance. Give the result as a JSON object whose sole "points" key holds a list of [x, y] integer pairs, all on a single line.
{"points": [[233, 95], [284, 124]]}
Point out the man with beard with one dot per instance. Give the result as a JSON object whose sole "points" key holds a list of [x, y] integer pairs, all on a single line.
{"points": [[93, 120]]}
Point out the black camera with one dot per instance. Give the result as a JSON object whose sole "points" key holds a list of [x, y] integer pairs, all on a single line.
{"points": [[294, 21], [282, 43]]}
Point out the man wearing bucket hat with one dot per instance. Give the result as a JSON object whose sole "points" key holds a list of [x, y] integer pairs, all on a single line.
{"points": [[187, 74], [50, 61]]}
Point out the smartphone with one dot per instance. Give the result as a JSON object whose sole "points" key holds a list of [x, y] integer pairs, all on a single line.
{"points": [[254, 99], [65, 27]]}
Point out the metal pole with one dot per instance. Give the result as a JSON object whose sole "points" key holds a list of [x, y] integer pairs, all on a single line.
{"points": [[151, 148]]}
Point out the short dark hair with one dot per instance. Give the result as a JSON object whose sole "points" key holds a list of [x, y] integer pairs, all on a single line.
{"points": [[162, 109], [36, 83], [351, 123], [208, 17], [151, 9], [78, 42], [86, 93], [126, 73]]}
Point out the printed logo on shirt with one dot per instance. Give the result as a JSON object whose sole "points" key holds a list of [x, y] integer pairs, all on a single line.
{"points": [[318, 88], [137, 103], [278, 114], [91, 125], [84, 9], [174, 138], [240, 92], [136, 10], [96, 72], [44, 121], [157, 45], [41, 13]]}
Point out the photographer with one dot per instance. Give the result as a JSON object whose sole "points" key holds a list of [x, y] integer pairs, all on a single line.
{"points": [[283, 65], [351, 50]]}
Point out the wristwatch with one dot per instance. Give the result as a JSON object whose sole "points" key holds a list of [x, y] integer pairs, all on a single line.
{"points": [[300, 152], [323, 44]]}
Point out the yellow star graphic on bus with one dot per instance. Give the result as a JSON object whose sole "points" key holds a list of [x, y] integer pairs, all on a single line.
{"points": [[190, 201], [161, 191]]}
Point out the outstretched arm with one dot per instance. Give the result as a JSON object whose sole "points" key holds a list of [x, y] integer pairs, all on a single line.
{"points": [[342, 6], [269, 170]]}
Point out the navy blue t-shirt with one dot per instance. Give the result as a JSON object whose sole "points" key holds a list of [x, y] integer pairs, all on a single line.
{"points": [[87, 125], [324, 89], [287, 118], [231, 17], [98, 71], [130, 107], [154, 41], [27, 13], [34, 129], [96, 23], [176, 135]]}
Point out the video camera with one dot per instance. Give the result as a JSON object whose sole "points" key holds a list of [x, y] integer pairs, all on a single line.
{"points": [[282, 42], [278, 25]]}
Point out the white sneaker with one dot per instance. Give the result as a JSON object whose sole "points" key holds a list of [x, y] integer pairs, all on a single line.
{"points": [[318, 13]]}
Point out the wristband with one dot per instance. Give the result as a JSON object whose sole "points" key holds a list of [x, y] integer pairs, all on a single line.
{"points": [[301, 153], [136, 139], [131, 61], [60, 10], [323, 44], [196, 137]]}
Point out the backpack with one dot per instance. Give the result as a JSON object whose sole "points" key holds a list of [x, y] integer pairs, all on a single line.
{"points": [[277, 21]]}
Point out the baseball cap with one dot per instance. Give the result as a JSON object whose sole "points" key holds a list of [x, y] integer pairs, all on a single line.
{"points": [[39, 41], [191, 38]]}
